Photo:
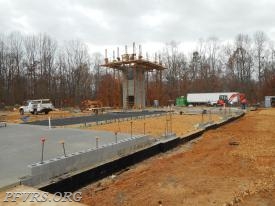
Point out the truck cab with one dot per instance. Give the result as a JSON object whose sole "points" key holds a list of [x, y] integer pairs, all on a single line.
{"points": [[223, 99]]}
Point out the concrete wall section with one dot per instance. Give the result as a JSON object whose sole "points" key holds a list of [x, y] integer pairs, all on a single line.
{"points": [[80, 179], [53, 168], [140, 89]]}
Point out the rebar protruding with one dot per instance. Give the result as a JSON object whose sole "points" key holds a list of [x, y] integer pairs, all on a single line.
{"points": [[116, 137], [160, 62], [97, 142], [210, 115], [63, 146], [139, 52], [106, 57], [126, 49], [171, 121], [118, 57], [166, 128], [43, 139], [144, 128], [134, 48], [131, 128]]}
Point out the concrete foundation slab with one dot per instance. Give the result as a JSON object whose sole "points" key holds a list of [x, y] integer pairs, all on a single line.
{"points": [[20, 146]]}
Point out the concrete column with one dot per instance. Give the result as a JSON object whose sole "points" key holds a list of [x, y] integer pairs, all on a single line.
{"points": [[135, 87]]}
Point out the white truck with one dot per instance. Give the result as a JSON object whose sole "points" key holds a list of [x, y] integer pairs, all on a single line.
{"points": [[210, 98], [37, 106]]}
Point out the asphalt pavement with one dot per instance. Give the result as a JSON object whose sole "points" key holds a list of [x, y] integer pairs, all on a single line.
{"points": [[93, 118]]}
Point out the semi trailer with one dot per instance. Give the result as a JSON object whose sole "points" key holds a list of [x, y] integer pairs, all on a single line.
{"points": [[214, 99]]}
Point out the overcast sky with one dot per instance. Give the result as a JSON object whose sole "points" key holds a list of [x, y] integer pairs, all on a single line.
{"points": [[107, 23]]}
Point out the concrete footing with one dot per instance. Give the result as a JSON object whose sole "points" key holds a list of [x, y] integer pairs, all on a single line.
{"points": [[50, 169], [78, 179]]}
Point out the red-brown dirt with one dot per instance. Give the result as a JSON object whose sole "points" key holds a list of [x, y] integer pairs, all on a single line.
{"points": [[155, 126], [232, 165]]}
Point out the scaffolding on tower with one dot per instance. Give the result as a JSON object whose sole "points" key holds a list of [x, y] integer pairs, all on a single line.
{"points": [[134, 71]]}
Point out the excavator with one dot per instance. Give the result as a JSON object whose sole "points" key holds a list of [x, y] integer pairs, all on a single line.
{"points": [[224, 100]]}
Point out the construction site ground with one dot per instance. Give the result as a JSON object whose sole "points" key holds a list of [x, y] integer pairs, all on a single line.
{"points": [[20, 146], [15, 117], [156, 126], [232, 165], [67, 118]]}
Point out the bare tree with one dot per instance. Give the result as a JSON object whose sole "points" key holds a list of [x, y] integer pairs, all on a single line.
{"points": [[96, 61], [79, 74], [177, 70], [213, 47], [240, 60], [260, 40]]}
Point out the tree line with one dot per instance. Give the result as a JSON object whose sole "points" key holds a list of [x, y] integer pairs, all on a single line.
{"points": [[245, 64], [37, 66]]}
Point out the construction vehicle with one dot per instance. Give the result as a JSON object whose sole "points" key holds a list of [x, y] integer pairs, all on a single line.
{"points": [[91, 105], [223, 100], [210, 99], [236, 98], [37, 106], [239, 96], [215, 98]]}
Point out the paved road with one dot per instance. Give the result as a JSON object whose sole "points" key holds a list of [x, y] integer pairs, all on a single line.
{"points": [[20, 146], [93, 118]]}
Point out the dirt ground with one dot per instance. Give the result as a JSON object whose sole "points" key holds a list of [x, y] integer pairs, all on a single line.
{"points": [[232, 165], [156, 126]]}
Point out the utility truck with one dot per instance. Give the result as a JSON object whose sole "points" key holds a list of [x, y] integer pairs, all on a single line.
{"points": [[37, 106]]}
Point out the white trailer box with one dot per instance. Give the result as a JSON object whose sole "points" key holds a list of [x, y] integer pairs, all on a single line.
{"points": [[209, 98]]}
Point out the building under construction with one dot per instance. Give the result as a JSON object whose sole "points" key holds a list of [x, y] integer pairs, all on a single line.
{"points": [[134, 71]]}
